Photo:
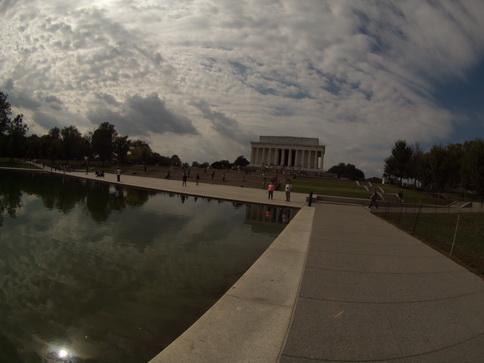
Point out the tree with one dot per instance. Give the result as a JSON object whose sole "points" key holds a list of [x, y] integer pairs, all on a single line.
{"points": [[222, 164], [5, 113], [140, 151], [121, 147], [424, 174], [473, 166], [33, 147], [413, 164], [349, 171], [157, 159], [440, 167], [241, 161], [16, 131], [175, 161], [53, 144], [455, 155], [102, 141], [72, 143], [12, 132], [397, 164]]}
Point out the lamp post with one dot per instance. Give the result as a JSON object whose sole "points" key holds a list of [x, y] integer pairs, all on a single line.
{"points": [[86, 159]]}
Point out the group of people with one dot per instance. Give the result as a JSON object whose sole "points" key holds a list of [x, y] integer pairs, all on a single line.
{"points": [[287, 189], [186, 174]]}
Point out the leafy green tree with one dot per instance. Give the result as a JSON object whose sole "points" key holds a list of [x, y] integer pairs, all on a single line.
{"points": [[157, 159], [455, 155], [121, 147], [102, 141], [349, 171], [140, 152], [222, 164], [397, 164], [33, 147], [72, 143], [5, 113], [440, 167], [424, 174], [12, 132], [175, 160], [473, 166], [53, 144], [413, 164], [241, 161], [16, 141]]}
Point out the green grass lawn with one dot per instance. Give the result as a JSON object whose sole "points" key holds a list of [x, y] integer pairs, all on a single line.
{"points": [[16, 163], [346, 188], [332, 187], [438, 230]]}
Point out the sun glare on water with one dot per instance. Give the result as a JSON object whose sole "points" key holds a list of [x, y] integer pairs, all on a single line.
{"points": [[63, 353]]}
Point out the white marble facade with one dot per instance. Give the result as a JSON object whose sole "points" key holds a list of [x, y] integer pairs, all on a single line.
{"points": [[287, 151]]}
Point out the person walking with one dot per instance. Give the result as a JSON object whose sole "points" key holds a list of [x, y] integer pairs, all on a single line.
{"points": [[270, 191], [118, 174], [288, 189], [198, 177], [184, 182], [373, 198]]}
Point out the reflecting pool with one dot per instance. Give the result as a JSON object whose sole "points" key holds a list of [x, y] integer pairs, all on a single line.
{"points": [[92, 272]]}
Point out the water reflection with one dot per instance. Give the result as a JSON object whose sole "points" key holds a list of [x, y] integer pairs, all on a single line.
{"points": [[91, 272]]}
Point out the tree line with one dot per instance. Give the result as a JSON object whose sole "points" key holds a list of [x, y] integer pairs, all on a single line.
{"points": [[451, 167], [67, 144]]}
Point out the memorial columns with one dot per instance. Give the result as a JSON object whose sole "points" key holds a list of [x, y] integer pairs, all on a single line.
{"points": [[286, 151]]}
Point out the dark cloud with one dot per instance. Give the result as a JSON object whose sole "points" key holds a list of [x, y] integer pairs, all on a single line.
{"points": [[141, 115], [23, 99], [20, 98], [46, 121], [109, 99], [5, 5], [54, 102], [282, 111], [227, 127], [9, 84]]}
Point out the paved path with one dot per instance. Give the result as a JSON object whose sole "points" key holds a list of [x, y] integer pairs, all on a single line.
{"points": [[373, 293], [362, 290], [216, 191]]}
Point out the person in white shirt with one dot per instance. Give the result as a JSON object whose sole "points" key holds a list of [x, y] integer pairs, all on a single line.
{"points": [[288, 189]]}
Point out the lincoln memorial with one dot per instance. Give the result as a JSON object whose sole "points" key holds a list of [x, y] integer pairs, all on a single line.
{"points": [[287, 151]]}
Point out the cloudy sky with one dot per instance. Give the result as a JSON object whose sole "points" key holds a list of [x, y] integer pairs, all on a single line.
{"points": [[201, 79]]}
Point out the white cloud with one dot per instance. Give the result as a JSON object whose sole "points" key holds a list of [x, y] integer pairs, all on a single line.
{"points": [[358, 74]]}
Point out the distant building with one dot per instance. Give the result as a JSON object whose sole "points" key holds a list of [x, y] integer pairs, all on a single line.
{"points": [[287, 151]]}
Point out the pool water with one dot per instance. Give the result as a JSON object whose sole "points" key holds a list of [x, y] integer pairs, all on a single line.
{"points": [[92, 272]]}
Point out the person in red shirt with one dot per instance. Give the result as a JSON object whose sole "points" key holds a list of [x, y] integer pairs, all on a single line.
{"points": [[270, 190]]}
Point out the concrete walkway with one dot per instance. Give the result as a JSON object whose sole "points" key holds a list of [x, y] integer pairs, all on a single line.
{"points": [[338, 285], [216, 191], [373, 293]]}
